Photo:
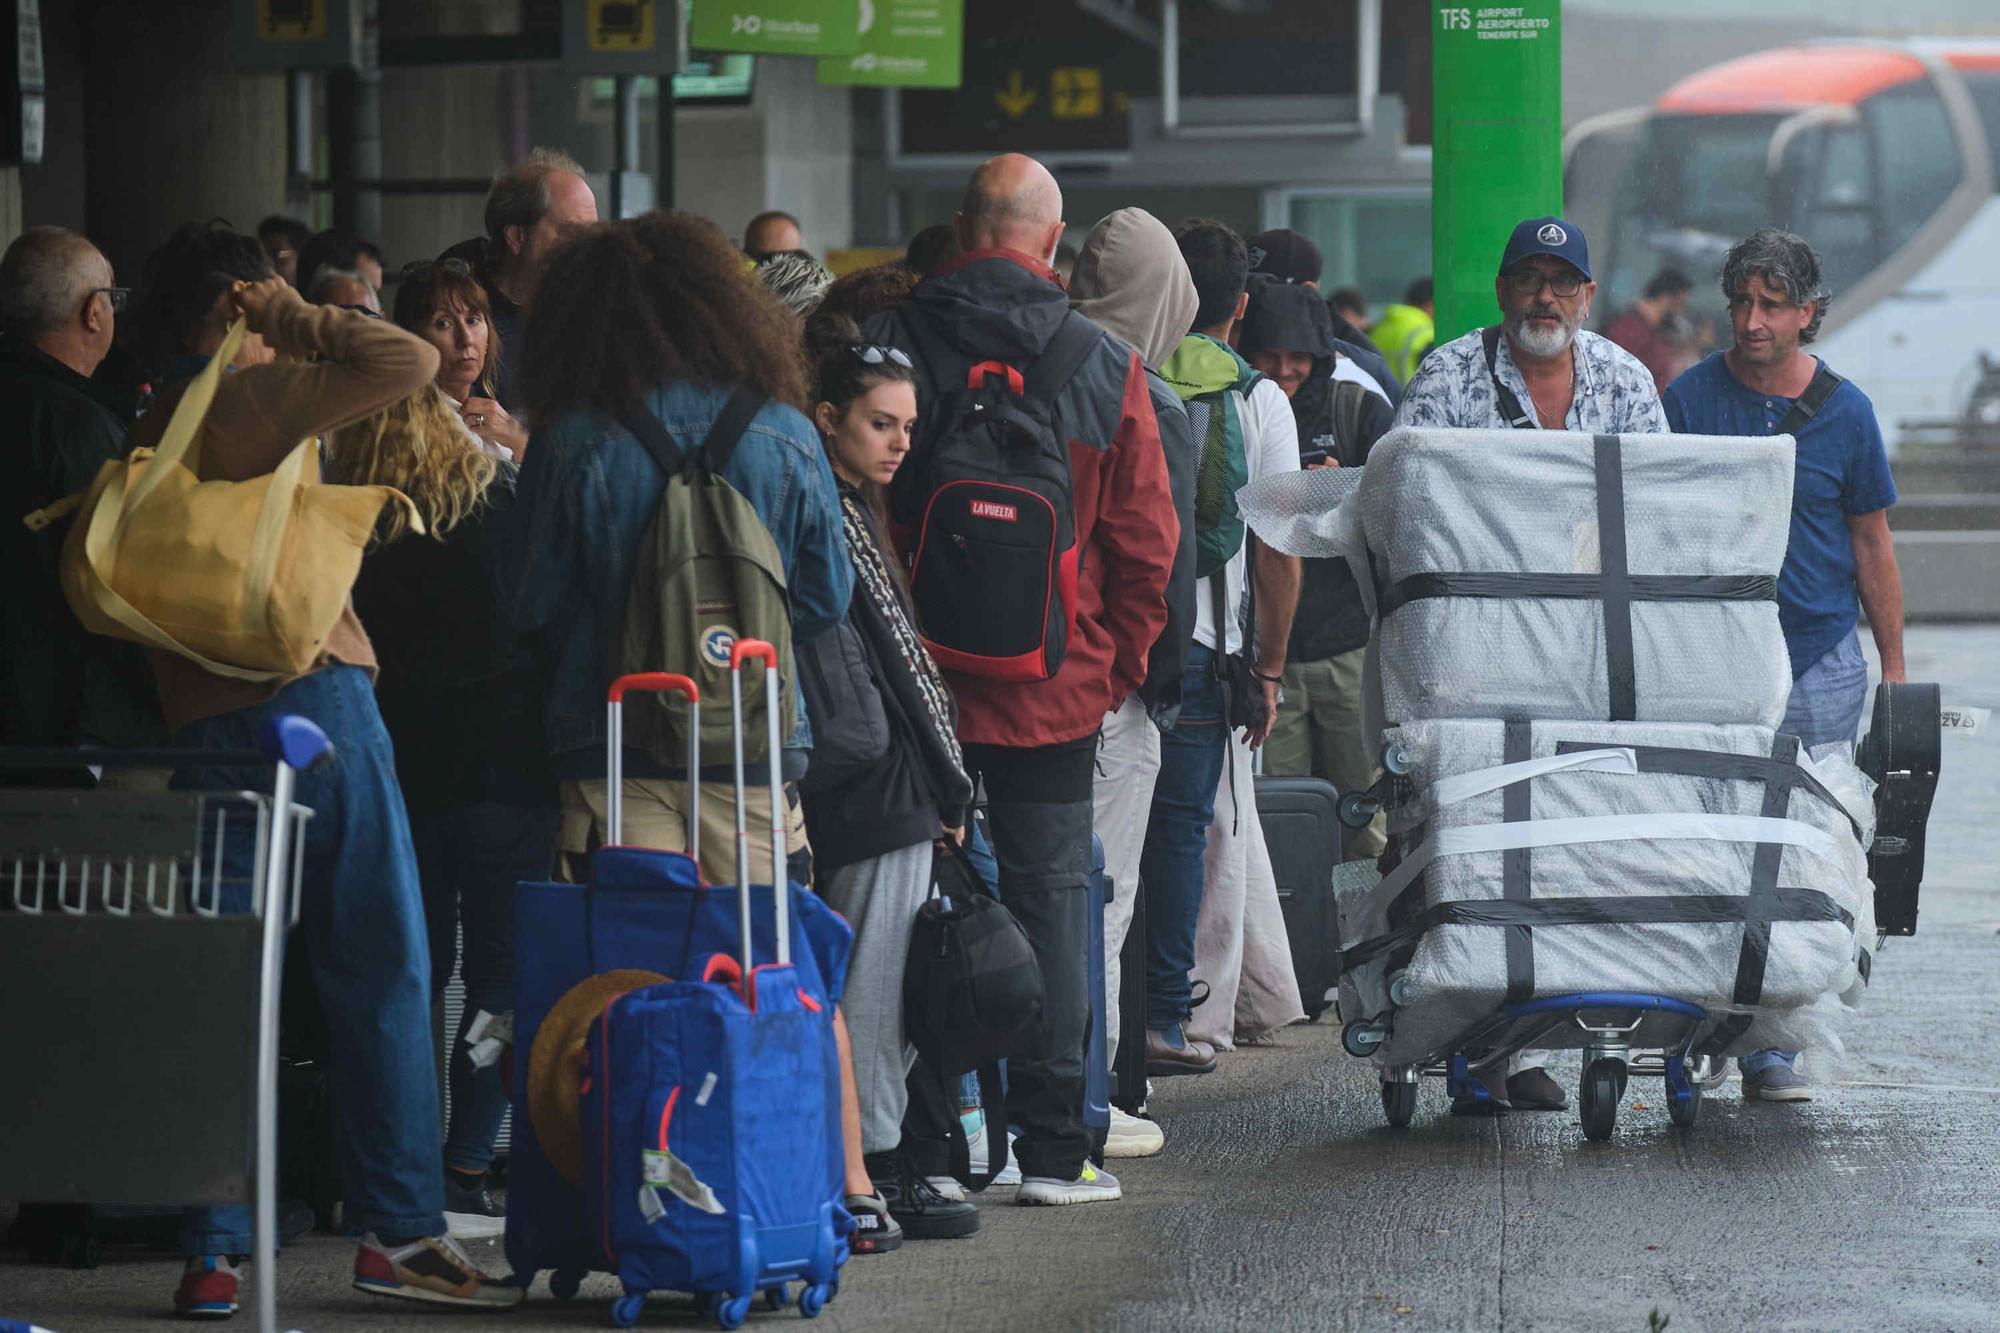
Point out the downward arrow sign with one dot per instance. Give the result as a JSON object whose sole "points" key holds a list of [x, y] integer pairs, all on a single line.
{"points": [[1015, 99]]}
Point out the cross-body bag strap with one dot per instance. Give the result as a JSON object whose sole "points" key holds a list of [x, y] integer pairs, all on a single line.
{"points": [[1510, 406], [719, 445], [1807, 405], [1062, 357]]}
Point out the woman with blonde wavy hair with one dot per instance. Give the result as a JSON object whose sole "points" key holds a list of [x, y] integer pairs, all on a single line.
{"points": [[459, 692]]}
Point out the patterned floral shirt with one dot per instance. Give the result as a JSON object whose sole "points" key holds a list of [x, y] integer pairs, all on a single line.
{"points": [[1614, 391]]}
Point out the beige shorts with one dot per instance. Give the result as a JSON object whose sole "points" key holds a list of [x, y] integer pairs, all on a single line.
{"points": [[654, 815]]}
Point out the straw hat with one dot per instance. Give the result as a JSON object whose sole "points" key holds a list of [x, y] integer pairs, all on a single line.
{"points": [[556, 1065]]}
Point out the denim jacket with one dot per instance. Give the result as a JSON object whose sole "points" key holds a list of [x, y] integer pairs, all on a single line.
{"points": [[589, 489]]}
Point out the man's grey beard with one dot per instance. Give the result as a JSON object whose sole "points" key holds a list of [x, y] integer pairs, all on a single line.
{"points": [[1537, 341]]}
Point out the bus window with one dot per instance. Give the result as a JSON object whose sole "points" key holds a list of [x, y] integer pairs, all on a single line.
{"points": [[1917, 158], [1835, 182], [1984, 85]]}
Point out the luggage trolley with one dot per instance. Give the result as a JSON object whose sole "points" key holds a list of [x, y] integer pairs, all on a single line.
{"points": [[124, 914]]}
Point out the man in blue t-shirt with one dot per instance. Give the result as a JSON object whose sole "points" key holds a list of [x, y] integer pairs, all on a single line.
{"points": [[1841, 493]]}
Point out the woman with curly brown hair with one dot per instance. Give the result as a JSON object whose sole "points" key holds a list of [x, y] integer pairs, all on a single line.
{"points": [[460, 695]]}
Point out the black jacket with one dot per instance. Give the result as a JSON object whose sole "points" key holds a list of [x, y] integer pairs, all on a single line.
{"points": [[884, 773], [508, 324], [1331, 618], [459, 689], [59, 683]]}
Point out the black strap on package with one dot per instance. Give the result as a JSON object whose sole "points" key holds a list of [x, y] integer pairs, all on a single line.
{"points": [[1515, 868], [1510, 405]]}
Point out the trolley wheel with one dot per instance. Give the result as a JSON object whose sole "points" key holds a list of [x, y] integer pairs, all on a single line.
{"points": [[564, 1283], [1684, 1112], [1354, 810], [812, 1300], [732, 1312], [1360, 1039], [625, 1311], [1598, 1096], [778, 1297], [1399, 1102]]}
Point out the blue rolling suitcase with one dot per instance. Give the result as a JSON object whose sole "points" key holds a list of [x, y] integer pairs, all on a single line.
{"points": [[711, 1117], [641, 909]]}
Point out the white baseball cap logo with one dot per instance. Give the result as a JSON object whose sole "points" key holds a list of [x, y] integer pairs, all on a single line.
{"points": [[1551, 234]]}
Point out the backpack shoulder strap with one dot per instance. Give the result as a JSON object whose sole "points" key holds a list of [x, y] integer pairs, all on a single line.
{"points": [[657, 439], [1510, 406], [1807, 405], [1064, 355], [719, 445], [1348, 400]]}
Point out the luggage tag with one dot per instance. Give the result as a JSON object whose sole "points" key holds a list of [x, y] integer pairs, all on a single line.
{"points": [[664, 1169], [488, 1035]]}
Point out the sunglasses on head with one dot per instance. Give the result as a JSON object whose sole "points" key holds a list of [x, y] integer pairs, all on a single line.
{"points": [[873, 354]]}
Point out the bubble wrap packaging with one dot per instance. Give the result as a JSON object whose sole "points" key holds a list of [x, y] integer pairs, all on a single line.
{"points": [[1437, 505], [1457, 973]]}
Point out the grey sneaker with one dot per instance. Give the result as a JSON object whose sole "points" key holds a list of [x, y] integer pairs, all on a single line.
{"points": [[1778, 1083], [1093, 1185]]}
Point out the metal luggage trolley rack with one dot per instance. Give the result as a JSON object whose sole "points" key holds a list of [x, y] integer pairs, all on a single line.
{"points": [[131, 921], [1622, 1034]]}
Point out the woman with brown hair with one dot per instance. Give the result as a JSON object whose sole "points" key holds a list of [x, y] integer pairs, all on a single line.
{"points": [[442, 303], [460, 696]]}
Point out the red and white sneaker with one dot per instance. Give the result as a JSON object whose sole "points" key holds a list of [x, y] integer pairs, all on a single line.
{"points": [[208, 1288], [434, 1270]]}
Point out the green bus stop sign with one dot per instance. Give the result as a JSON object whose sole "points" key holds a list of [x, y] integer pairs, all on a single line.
{"points": [[1496, 156]]}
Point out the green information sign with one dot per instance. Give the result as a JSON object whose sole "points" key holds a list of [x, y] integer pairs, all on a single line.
{"points": [[904, 44], [1496, 157], [778, 27]]}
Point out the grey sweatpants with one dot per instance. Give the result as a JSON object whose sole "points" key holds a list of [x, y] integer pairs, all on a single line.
{"points": [[879, 898]]}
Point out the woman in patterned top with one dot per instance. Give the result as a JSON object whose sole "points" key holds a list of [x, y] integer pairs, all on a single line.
{"points": [[887, 780]]}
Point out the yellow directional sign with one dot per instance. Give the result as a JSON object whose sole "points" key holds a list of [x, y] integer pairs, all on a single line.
{"points": [[1076, 92], [619, 25], [1015, 99], [291, 20]]}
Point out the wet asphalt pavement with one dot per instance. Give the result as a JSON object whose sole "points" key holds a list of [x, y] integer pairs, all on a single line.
{"points": [[1282, 1201]]}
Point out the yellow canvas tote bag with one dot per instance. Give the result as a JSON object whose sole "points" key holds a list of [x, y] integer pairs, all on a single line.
{"points": [[245, 578]]}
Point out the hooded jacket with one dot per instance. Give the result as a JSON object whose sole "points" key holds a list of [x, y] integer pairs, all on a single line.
{"points": [[1331, 618], [1004, 305], [1132, 282]]}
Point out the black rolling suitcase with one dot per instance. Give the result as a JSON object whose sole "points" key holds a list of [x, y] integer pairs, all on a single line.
{"points": [[1128, 1074], [1302, 834]]}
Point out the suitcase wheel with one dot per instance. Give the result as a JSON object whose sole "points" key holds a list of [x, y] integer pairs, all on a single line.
{"points": [[778, 1297], [625, 1311], [732, 1312], [813, 1299], [564, 1283]]}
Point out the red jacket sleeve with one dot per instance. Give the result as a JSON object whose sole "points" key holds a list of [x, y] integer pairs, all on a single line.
{"points": [[1137, 531]]}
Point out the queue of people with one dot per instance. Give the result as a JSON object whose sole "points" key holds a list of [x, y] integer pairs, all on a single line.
{"points": [[518, 396]]}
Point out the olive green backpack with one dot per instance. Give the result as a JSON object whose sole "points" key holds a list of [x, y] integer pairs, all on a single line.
{"points": [[707, 574]]}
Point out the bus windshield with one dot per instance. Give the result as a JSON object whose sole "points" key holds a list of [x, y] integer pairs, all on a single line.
{"points": [[1699, 185]]}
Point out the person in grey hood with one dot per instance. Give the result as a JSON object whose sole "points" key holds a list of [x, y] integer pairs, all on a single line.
{"points": [[1131, 280]]}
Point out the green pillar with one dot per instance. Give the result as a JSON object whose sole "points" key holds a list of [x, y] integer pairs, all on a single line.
{"points": [[1496, 156]]}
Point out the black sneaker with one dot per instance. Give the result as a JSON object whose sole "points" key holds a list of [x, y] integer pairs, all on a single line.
{"points": [[1533, 1090], [469, 1210], [914, 1202], [875, 1232]]}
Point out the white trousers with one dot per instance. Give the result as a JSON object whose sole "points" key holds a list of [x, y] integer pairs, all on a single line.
{"points": [[1128, 763]]}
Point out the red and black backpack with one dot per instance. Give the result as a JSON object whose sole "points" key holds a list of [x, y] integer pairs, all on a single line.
{"points": [[990, 519]]}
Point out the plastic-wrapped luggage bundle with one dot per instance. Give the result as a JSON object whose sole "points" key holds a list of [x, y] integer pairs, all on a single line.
{"points": [[1546, 574], [1711, 863]]}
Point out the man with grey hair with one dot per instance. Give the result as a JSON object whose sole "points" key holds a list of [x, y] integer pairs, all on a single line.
{"points": [[528, 210], [1840, 558], [59, 684]]}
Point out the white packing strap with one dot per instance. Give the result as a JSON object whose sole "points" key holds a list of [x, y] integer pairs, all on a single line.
{"points": [[1465, 786], [1593, 828]]}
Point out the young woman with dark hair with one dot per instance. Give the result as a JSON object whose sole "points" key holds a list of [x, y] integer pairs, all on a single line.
{"points": [[888, 779]]}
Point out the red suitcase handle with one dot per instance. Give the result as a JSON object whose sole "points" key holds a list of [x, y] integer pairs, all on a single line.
{"points": [[654, 682]]}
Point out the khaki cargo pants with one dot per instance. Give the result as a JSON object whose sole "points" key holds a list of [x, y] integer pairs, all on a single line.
{"points": [[654, 815], [1318, 733]]}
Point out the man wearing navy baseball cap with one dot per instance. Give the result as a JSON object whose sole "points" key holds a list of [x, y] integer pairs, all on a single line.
{"points": [[1538, 368]]}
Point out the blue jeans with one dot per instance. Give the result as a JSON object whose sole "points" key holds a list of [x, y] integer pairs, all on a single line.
{"points": [[469, 861], [1824, 709], [362, 922], [1191, 760]]}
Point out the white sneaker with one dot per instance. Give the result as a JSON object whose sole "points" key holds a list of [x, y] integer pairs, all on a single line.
{"points": [[1010, 1174], [948, 1187], [1132, 1136], [1094, 1185]]}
